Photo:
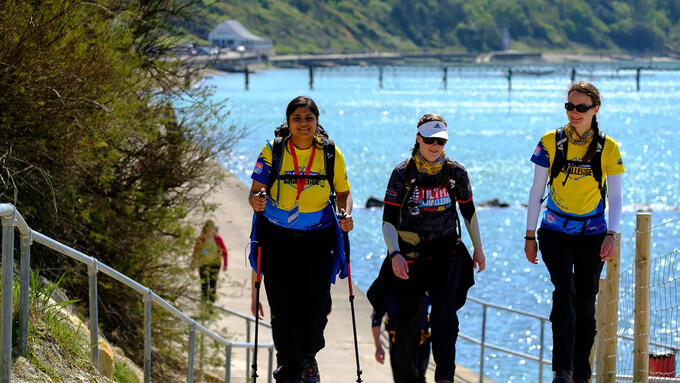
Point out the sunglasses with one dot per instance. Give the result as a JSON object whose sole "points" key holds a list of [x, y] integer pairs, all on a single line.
{"points": [[579, 108], [432, 140]]}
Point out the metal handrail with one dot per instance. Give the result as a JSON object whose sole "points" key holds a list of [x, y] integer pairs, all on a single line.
{"points": [[664, 346], [11, 218], [385, 341], [248, 318], [484, 345]]}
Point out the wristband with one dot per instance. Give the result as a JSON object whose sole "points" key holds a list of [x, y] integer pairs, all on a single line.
{"points": [[612, 234], [526, 237], [395, 252]]}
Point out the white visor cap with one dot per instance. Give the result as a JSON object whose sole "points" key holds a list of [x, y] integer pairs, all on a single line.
{"points": [[435, 129]]}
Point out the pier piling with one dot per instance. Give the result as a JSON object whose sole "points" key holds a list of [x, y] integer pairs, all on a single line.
{"points": [[446, 69], [311, 77]]}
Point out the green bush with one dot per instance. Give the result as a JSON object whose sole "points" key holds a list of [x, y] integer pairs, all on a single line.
{"points": [[110, 149], [123, 374]]}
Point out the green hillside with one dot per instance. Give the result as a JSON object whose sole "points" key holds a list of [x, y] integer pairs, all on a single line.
{"points": [[633, 26]]}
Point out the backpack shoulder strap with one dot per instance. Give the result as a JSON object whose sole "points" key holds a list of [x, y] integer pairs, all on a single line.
{"points": [[277, 155], [329, 161], [596, 167], [451, 188], [596, 161], [561, 144], [329, 164], [451, 182], [410, 173]]}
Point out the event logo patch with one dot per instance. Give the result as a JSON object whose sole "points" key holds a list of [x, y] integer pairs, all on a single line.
{"points": [[258, 168], [550, 218]]}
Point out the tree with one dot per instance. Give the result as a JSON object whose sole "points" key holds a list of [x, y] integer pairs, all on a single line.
{"points": [[106, 147]]}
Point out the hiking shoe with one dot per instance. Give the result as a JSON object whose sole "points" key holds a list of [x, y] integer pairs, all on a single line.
{"points": [[563, 376], [310, 370], [277, 373]]}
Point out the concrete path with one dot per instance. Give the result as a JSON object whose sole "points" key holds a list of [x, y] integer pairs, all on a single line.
{"points": [[336, 361]]}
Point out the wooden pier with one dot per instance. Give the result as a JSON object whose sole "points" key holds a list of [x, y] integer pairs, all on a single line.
{"points": [[507, 64]]}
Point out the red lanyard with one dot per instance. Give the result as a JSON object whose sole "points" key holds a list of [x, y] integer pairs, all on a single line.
{"points": [[301, 182]]}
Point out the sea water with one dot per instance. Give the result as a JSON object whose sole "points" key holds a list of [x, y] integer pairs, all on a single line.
{"points": [[492, 131]]}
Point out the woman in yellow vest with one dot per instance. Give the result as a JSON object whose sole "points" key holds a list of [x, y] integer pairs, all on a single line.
{"points": [[575, 240], [209, 254], [300, 238]]}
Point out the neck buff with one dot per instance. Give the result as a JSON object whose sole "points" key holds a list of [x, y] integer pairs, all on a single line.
{"points": [[570, 131], [430, 168]]}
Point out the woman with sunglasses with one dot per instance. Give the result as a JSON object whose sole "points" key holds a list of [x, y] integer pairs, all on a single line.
{"points": [[574, 238], [422, 231]]}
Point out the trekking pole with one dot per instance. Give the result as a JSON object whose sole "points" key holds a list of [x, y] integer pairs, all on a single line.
{"points": [[258, 281], [345, 236]]}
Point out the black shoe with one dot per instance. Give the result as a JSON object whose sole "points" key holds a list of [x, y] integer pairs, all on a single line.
{"points": [[277, 373], [580, 380], [310, 370], [563, 376]]}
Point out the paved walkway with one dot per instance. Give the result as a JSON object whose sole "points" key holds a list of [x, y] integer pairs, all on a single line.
{"points": [[337, 361]]}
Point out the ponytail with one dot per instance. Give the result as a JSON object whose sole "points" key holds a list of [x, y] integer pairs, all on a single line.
{"points": [[593, 143]]}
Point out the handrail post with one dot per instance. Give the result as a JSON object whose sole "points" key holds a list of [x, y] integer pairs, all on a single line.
{"points": [[25, 284], [643, 249], [147, 336], [192, 346], [227, 365], [598, 351], [94, 314], [540, 353], [248, 350], [481, 356], [611, 312], [271, 364], [8, 224]]}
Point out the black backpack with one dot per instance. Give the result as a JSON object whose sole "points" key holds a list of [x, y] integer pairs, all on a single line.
{"points": [[281, 133], [560, 161]]}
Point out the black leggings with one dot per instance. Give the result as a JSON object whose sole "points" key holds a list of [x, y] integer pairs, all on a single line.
{"points": [[438, 270], [574, 264], [208, 274], [297, 269], [423, 359]]}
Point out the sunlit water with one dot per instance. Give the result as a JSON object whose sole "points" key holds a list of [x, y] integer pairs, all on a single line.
{"points": [[493, 132]]}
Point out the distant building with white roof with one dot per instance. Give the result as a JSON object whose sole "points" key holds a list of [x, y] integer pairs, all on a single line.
{"points": [[232, 34]]}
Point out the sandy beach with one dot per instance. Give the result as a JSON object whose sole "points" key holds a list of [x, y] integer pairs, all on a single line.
{"points": [[337, 360]]}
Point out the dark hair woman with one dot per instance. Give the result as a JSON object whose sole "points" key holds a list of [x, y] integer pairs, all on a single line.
{"points": [[574, 238], [300, 237], [422, 231]]}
